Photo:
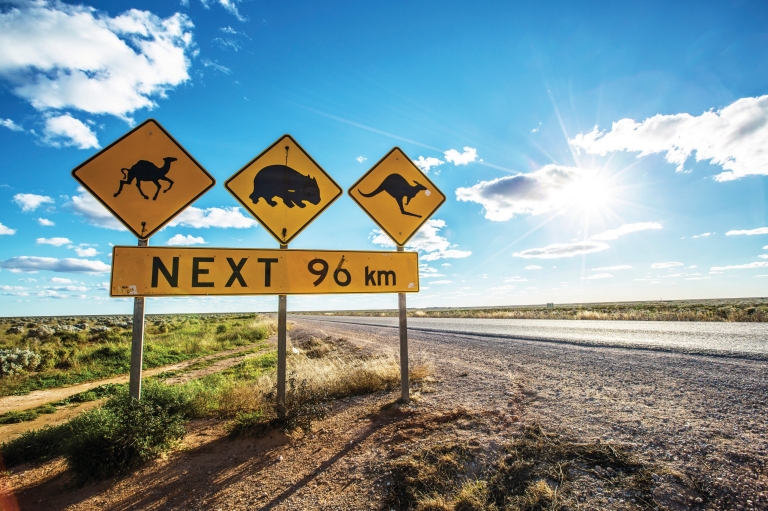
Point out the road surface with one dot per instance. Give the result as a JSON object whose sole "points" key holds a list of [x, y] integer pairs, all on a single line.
{"points": [[743, 340]]}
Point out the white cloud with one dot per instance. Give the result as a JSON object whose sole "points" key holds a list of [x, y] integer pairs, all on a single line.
{"points": [[468, 156], [698, 278], [740, 266], [426, 271], [703, 235], [597, 276], [56, 242], [84, 204], [30, 264], [60, 280], [231, 6], [449, 264], [733, 138], [180, 239], [765, 247], [613, 268], [557, 250], [45, 222], [751, 232], [441, 282], [86, 252], [427, 163], [534, 267], [213, 217], [59, 56], [625, 229], [6, 230], [8, 123], [549, 188], [427, 240], [763, 256], [215, 65], [666, 265], [361, 159], [515, 279], [30, 201], [68, 288], [65, 130]]}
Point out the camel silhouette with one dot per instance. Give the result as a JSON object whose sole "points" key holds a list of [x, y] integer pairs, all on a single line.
{"points": [[144, 170], [400, 190]]}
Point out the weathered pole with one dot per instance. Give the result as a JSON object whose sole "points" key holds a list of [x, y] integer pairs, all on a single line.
{"points": [[137, 342], [404, 384], [282, 311]]}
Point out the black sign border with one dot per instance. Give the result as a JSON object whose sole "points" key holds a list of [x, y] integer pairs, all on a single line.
{"points": [[340, 190], [114, 213], [349, 192]]}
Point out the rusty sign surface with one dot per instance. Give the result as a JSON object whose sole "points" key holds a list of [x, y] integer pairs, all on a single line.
{"points": [[176, 271], [145, 178]]}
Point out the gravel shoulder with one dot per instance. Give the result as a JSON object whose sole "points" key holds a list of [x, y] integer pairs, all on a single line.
{"points": [[698, 421]]}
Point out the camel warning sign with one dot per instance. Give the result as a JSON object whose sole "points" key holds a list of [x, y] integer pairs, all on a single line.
{"points": [[284, 188], [145, 178], [397, 196], [176, 271]]}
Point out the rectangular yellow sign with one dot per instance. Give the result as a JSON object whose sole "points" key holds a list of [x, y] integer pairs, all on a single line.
{"points": [[173, 271]]}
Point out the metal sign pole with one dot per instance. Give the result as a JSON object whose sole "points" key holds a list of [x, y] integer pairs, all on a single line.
{"points": [[282, 309], [137, 343], [404, 384]]}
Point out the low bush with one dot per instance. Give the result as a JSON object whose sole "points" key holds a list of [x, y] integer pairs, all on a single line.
{"points": [[35, 445], [125, 433], [16, 361]]}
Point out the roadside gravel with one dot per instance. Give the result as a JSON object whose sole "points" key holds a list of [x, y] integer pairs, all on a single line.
{"points": [[697, 422]]}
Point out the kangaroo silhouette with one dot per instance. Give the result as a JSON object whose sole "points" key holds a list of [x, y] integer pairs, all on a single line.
{"points": [[287, 184], [400, 190], [144, 170]]}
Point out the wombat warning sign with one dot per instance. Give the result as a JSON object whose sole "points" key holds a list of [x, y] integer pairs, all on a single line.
{"points": [[284, 188]]}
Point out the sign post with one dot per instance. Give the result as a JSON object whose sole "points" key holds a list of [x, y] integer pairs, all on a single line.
{"points": [[400, 199], [147, 154], [285, 190], [137, 342]]}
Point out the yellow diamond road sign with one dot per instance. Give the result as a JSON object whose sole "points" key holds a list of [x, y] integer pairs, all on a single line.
{"points": [[145, 178], [284, 188], [397, 196]]}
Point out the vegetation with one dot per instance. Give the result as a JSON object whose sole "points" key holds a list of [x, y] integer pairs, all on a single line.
{"points": [[737, 310], [122, 434], [72, 350], [534, 472]]}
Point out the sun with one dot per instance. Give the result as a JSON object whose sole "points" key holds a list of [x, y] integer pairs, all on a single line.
{"points": [[592, 190]]}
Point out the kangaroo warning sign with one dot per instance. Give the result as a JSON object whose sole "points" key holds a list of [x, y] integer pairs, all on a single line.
{"points": [[172, 271], [397, 196], [284, 188], [145, 178]]}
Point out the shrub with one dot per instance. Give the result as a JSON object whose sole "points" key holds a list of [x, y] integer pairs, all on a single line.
{"points": [[15, 361], [34, 445], [221, 329], [125, 433]]}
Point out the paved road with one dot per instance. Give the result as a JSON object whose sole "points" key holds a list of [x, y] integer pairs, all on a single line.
{"points": [[743, 340]]}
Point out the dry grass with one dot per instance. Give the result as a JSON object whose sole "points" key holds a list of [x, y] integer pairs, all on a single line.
{"points": [[537, 471], [318, 370]]}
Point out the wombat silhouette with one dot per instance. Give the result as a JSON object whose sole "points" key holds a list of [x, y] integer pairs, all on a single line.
{"points": [[400, 190], [284, 182], [144, 170]]}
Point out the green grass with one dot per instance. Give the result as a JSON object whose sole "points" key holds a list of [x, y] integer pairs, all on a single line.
{"points": [[70, 358], [14, 417]]}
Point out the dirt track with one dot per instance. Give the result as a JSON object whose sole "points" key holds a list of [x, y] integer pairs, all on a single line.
{"points": [[701, 418]]}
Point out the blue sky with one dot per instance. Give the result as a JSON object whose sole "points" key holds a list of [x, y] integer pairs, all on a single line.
{"points": [[608, 152]]}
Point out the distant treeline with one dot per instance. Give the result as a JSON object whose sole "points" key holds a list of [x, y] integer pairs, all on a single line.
{"points": [[748, 310]]}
